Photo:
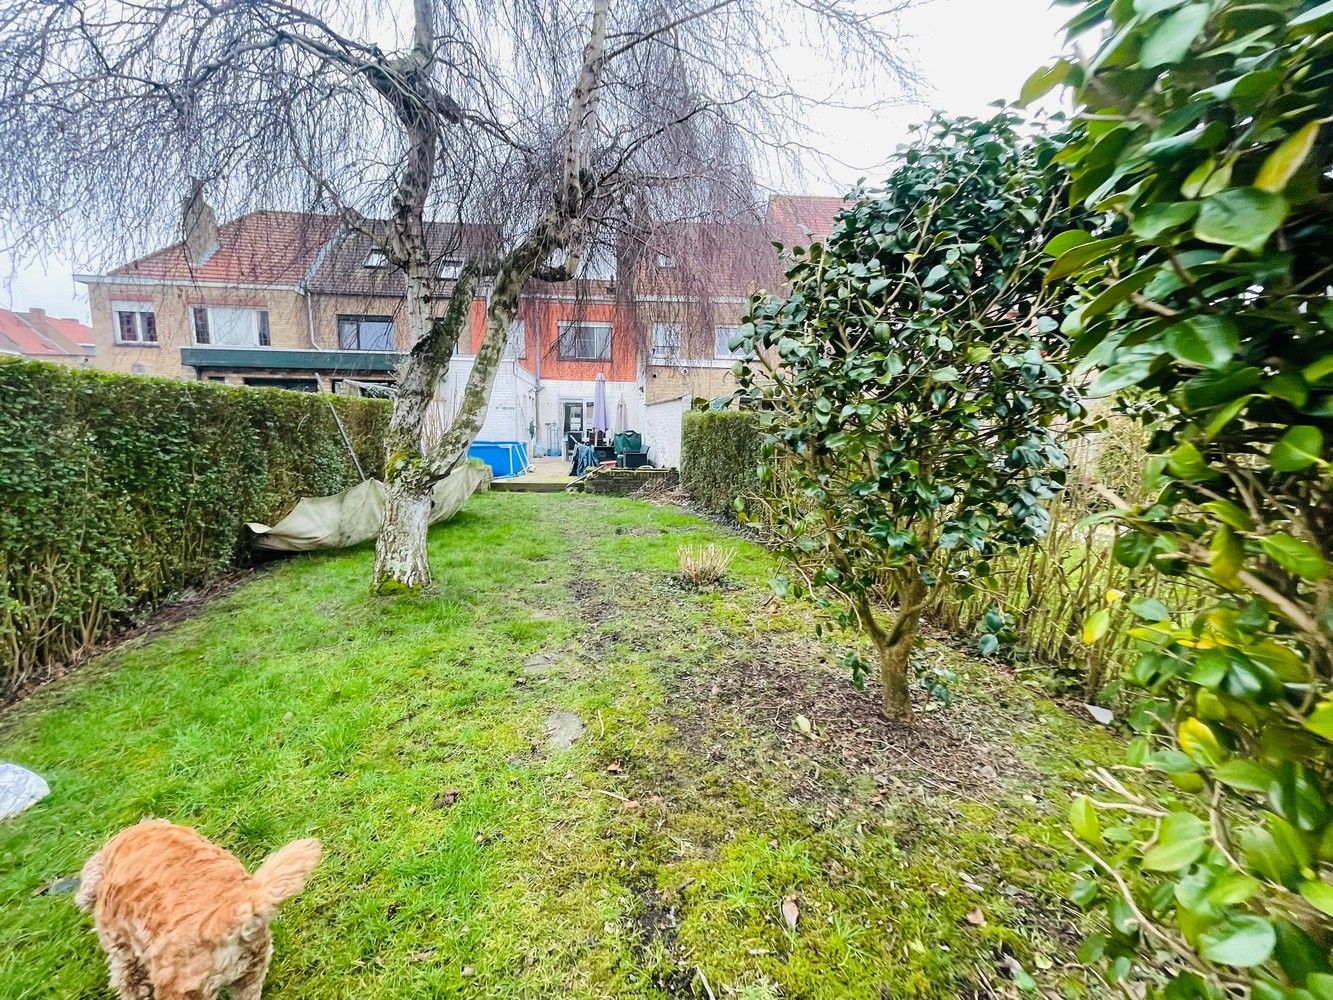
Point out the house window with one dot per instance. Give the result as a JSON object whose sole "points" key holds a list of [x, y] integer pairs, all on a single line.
{"points": [[665, 260], [450, 268], [135, 323], [230, 326], [365, 333], [722, 343], [585, 341], [516, 346], [666, 341], [375, 259]]}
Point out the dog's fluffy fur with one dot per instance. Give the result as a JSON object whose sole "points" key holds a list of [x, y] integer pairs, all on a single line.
{"points": [[179, 918]]}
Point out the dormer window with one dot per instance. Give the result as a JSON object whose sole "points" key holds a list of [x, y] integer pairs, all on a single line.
{"points": [[450, 267], [665, 261], [376, 259]]}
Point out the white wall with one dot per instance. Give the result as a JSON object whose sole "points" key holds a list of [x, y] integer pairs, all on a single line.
{"points": [[552, 391], [511, 408], [661, 434]]}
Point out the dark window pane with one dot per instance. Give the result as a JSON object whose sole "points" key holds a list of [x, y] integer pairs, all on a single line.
{"points": [[365, 333], [127, 331], [347, 330], [148, 321], [200, 325], [586, 341], [263, 328], [376, 333]]}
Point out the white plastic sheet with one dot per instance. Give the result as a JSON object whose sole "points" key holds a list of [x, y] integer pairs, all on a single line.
{"points": [[355, 515]]}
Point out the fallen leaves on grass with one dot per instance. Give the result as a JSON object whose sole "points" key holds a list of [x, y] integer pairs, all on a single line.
{"points": [[790, 912]]}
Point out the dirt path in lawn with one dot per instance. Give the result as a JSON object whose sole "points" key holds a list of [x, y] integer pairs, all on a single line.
{"points": [[562, 773]]}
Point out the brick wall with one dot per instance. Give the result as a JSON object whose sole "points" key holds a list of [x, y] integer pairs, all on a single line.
{"points": [[171, 305]]}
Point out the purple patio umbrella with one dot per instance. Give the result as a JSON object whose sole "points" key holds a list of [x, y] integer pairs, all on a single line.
{"points": [[601, 416]]}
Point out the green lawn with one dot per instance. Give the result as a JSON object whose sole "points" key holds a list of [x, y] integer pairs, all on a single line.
{"points": [[465, 858]]}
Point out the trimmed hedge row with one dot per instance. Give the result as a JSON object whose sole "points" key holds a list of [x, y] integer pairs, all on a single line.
{"points": [[719, 457], [117, 491]]}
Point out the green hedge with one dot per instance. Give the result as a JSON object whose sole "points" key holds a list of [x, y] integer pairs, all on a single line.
{"points": [[719, 457], [117, 491]]}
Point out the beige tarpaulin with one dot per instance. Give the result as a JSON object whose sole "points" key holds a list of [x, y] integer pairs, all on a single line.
{"points": [[354, 515]]}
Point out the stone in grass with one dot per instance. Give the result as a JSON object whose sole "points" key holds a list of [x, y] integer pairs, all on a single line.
{"points": [[19, 788], [538, 664], [562, 729]]}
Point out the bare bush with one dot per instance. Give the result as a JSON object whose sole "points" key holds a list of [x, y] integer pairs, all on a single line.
{"points": [[704, 565]]}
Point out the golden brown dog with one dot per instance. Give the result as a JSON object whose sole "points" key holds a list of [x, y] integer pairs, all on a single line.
{"points": [[179, 918]]}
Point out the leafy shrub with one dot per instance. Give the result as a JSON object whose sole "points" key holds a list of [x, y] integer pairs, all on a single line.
{"points": [[1034, 605], [719, 458], [116, 491], [1207, 295], [905, 390], [704, 565]]}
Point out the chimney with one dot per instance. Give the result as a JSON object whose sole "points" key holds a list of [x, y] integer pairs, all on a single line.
{"points": [[199, 225]]}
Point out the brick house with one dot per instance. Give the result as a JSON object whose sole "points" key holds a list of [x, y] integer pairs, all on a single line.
{"points": [[34, 334], [298, 301]]}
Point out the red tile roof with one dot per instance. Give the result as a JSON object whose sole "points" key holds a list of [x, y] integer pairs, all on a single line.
{"points": [[264, 248], [286, 248], [36, 335], [797, 218]]}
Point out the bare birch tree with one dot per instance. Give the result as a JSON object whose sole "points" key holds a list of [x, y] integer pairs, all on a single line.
{"points": [[570, 129]]}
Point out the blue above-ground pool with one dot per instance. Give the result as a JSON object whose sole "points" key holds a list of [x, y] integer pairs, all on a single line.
{"points": [[506, 458]]}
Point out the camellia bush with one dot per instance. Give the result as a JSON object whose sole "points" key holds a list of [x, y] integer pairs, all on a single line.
{"points": [[1206, 298], [905, 392]]}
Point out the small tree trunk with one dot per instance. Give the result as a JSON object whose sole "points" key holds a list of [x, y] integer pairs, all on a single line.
{"points": [[894, 647], [895, 666], [400, 554]]}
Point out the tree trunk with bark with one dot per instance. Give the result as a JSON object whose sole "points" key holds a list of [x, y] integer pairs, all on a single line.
{"points": [[400, 553], [894, 646], [401, 562]]}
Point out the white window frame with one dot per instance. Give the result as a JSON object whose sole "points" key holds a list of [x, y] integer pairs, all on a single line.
{"points": [[258, 325], [666, 261], [720, 351], [516, 338], [563, 327], [139, 310], [449, 268], [667, 342], [376, 259]]}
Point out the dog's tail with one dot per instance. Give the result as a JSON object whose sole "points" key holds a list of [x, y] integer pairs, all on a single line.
{"points": [[89, 880], [284, 873]]}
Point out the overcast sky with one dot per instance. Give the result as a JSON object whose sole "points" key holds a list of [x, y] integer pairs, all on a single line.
{"points": [[969, 52]]}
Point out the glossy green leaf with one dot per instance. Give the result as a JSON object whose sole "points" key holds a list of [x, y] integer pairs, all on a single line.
{"points": [[1083, 820], [1320, 721], [1149, 609], [1297, 449], [1295, 556], [1171, 42], [1160, 217], [1206, 341], [1181, 839], [1245, 775], [1200, 743], [1241, 942], [1313, 15], [1186, 462], [1062, 243], [1283, 162], [1096, 626], [1240, 217]]}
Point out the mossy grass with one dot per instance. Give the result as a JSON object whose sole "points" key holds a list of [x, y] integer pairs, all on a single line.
{"points": [[464, 858]]}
